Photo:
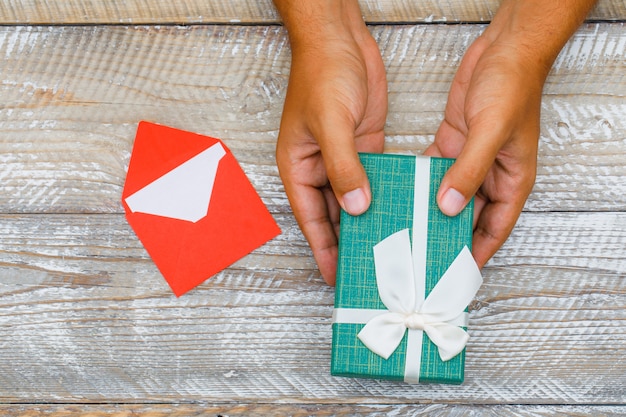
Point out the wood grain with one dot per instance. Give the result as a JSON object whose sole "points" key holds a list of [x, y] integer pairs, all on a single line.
{"points": [[95, 322], [88, 326], [72, 97], [303, 410], [250, 11]]}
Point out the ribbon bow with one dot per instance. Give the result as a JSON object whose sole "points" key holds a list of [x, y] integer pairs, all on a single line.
{"points": [[439, 315]]}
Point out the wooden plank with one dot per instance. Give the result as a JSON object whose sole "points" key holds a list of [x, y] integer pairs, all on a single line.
{"points": [[250, 11], [86, 317], [72, 97], [303, 410]]}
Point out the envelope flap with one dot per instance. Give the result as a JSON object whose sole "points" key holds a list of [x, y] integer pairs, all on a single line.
{"points": [[158, 150]]}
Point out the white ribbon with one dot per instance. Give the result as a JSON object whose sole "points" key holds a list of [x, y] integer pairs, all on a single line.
{"points": [[400, 276]]}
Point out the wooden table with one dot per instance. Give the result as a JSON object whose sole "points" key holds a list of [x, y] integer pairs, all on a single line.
{"points": [[89, 327]]}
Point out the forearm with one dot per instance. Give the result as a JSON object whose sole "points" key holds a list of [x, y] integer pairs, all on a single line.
{"points": [[538, 29]]}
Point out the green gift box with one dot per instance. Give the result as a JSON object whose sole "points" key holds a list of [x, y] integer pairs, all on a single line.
{"points": [[405, 276]]}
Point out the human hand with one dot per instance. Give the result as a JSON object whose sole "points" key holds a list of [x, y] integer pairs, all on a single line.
{"points": [[492, 117], [491, 126], [336, 106]]}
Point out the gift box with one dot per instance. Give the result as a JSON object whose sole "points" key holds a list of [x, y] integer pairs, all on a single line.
{"points": [[405, 277]]}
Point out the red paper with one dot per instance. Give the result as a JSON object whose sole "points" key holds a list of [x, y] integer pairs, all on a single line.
{"points": [[190, 229]]}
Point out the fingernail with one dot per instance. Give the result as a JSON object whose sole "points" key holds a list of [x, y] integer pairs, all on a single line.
{"points": [[355, 202], [452, 202]]}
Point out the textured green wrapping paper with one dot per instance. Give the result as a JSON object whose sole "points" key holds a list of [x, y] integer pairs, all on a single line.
{"points": [[392, 182]]}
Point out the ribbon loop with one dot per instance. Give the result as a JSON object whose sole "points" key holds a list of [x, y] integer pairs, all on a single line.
{"points": [[383, 333], [394, 272]]}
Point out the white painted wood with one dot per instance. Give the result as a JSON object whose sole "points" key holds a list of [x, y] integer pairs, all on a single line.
{"points": [[86, 320], [302, 410], [73, 97], [250, 11], [85, 316]]}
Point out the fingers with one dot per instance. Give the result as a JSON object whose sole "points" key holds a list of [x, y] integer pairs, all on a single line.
{"points": [[346, 175], [319, 225], [314, 200], [494, 226], [306, 176], [470, 169], [495, 212], [317, 214]]}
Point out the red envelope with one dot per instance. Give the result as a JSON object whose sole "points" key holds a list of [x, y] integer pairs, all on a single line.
{"points": [[191, 205]]}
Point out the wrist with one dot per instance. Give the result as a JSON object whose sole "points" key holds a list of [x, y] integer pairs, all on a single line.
{"points": [[535, 31], [310, 24]]}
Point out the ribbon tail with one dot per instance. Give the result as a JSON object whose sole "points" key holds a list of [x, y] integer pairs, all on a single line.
{"points": [[383, 334], [449, 339]]}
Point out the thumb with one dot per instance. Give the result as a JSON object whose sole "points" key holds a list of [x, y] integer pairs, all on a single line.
{"points": [[343, 167], [467, 174]]}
